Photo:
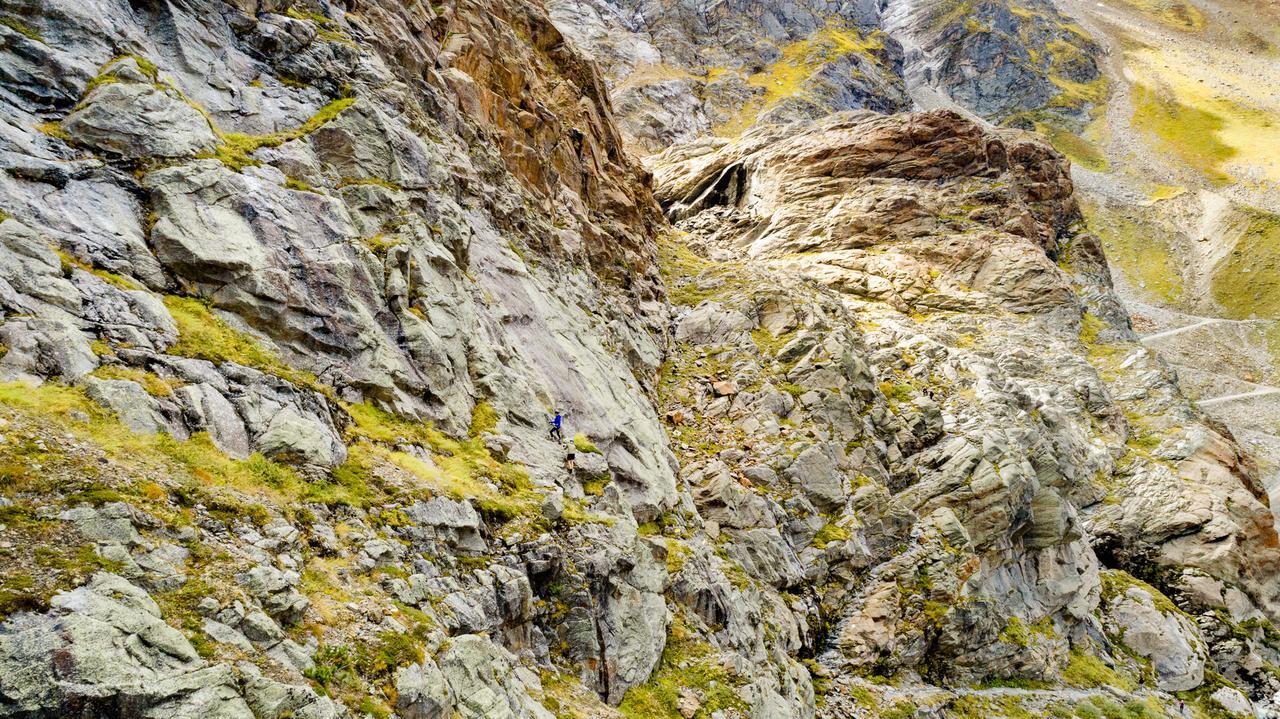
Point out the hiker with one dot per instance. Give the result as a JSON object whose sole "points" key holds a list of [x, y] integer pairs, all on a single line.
{"points": [[555, 428], [1182, 707], [569, 464]]}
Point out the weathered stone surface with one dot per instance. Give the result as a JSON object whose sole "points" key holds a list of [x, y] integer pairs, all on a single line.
{"points": [[209, 411], [423, 693], [1170, 640], [907, 422], [483, 681], [820, 480], [129, 401], [129, 116], [111, 647]]}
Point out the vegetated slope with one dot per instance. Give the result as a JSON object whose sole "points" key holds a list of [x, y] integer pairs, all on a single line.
{"points": [[1185, 200], [290, 292]]}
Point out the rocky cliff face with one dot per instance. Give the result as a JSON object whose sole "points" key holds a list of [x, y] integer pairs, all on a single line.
{"points": [[854, 422], [680, 70]]}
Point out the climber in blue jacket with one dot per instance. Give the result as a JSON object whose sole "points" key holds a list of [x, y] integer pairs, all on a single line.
{"points": [[555, 428]]}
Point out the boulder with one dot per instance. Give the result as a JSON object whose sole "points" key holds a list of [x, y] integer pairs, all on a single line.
{"points": [[1149, 627], [207, 410], [294, 438], [136, 409], [103, 646], [422, 692], [819, 478], [130, 116], [482, 678], [711, 324]]}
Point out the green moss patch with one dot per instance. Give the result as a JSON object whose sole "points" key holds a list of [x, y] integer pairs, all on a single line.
{"points": [[236, 148], [1176, 14], [1139, 250], [1247, 282], [1186, 132], [1086, 671], [583, 444], [204, 335], [688, 664], [22, 29], [1079, 150]]}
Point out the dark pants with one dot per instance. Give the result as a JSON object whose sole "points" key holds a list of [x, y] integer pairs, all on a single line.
{"points": [[555, 433]]}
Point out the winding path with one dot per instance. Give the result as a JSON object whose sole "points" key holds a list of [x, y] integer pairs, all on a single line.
{"points": [[1264, 392], [1185, 328]]}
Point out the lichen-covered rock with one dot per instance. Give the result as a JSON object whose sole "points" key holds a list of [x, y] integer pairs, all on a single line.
{"points": [[129, 401], [106, 646], [483, 679], [1152, 628], [423, 693], [879, 415]]}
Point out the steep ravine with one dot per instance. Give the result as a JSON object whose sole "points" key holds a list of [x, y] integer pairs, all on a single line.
{"points": [[855, 424]]}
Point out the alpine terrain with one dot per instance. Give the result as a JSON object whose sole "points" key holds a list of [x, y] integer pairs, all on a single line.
{"points": [[620, 359]]}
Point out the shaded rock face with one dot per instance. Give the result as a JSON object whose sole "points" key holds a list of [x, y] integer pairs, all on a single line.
{"points": [[680, 71], [1017, 62], [105, 651], [232, 228], [352, 240]]}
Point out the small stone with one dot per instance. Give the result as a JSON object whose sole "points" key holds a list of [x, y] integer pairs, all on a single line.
{"points": [[724, 388], [553, 506]]}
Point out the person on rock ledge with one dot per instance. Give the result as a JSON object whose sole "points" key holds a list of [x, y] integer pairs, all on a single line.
{"points": [[555, 428]]}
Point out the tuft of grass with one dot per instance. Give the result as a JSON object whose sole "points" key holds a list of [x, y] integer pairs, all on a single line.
{"points": [[897, 392], [594, 487], [1079, 150], [155, 385], [1246, 283], [800, 61], [23, 29], [379, 244], [1140, 250], [1116, 582], [484, 420], [460, 469], [196, 461], [236, 148], [1187, 132], [363, 675], [294, 183], [377, 181], [583, 444], [107, 73], [204, 335], [1166, 192], [1086, 671], [1176, 14], [54, 129], [1091, 326], [70, 263], [349, 484], [374, 424], [830, 532]]}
